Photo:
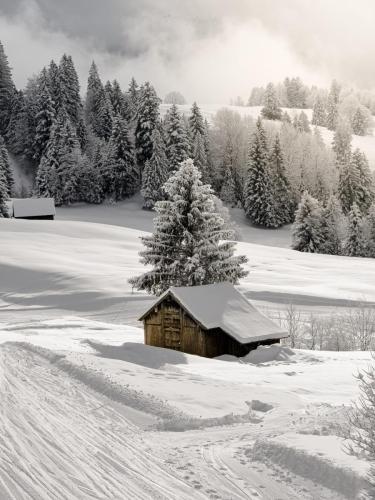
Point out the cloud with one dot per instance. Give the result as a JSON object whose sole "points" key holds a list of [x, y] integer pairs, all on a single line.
{"points": [[210, 50]]}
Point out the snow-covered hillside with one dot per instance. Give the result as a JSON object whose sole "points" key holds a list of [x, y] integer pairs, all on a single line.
{"points": [[104, 412]]}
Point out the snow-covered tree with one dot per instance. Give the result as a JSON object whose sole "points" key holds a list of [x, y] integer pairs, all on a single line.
{"points": [[95, 105], [7, 90], [4, 196], [319, 115], [5, 167], [177, 143], [307, 231], [186, 248], [259, 201], [359, 122], [370, 232], [283, 199], [341, 143], [133, 96], [44, 118], [333, 106], [55, 86], [271, 109], [200, 158], [147, 119], [355, 183], [174, 97], [121, 175], [285, 117], [70, 88], [333, 227], [228, 193], [355, 243], [196, 123], [155, 172]]}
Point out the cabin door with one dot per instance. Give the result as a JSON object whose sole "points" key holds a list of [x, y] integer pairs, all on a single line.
{"points": [[172, 328]]}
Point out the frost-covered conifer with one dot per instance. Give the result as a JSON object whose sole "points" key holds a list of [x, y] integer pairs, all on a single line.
{"points": [[228, 193], [4, 196], [355, 243], [177, 143], [196, 123], [333, 106], [271, 109], [200, 158], [370, 232], [6, 167], [307, 231], [359, 122], [147, 118], [121, 175], [319, 116], [333, 222], [304, 122], [95, 101], [155, 172], [355, 183], [70, 88], [281, 188], [55, 87], [341, 143], [259, 201], [285, 117], [44, 118], [186, 248], [133, 94], [7, 90]]}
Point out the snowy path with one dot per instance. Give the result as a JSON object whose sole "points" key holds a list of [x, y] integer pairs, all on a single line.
{"points": [[59, 440]]}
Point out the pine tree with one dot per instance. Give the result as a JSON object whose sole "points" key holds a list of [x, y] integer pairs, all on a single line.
{"points": [[44, 118], [370, 236], [228, 193], [90, 182], [177, 144], [7, 90], [155, 172], [341, 143], [271, 109], [121, 176], [333, 227], [281, 187], [55, 87], [196, 123], [5, 167], [333, 106], [366, 187], [4, 196], [70, 89], [134, 94], [119, 104], [17, 130], [319, 116], [359, 122], [105, 117], [200, 158], [95, 105], [355, 243], [186, 248], [258, 196], [307, 230], [303, 122], [147, 119]]}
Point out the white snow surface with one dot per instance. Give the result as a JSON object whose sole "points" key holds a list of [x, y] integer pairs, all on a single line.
{"points": [[222, 306], [88, 411]]}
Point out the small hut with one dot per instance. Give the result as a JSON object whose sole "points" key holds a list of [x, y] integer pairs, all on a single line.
{"points": [[33, 208], [208, 320]]}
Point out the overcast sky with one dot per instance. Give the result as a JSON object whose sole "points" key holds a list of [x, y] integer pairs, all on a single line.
{"points": [[210, 50]]}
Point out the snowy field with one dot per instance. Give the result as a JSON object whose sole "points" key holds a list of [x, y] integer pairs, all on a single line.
{"points": [[88, 411]]}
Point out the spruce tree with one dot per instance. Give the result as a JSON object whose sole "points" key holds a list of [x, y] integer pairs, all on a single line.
{"points": [[333, 227], [271, 109], [44, 118], [228, 193], [319, 116], [70, 89], [200, 158], [307, 230], [341, 143], [55, 87], [4, 196], [333, 106], [259, 201], [359, 122], [121, 176], [355, 243], [95, 102], [5, 167], [155, 172], [133, 94], [285, 118], [281, 187], [7, 90], [303, 123], [196, 123], [370, 235], [147, 118], [366, 185], [120, 105], [17, 130], [186, 248], [177, 144]]}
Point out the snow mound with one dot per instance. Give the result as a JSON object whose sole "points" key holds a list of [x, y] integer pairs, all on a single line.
{"points": [[321, 459], [274, 354]]}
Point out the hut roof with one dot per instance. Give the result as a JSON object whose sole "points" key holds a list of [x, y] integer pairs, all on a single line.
{"points": [[33, 207], [222, 306]]}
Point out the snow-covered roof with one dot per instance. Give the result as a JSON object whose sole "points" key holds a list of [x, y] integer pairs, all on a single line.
{"points": [[33, 207], [222, 306]]}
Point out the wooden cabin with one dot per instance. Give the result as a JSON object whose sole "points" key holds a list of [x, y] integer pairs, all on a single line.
{"points": [[209, 321], [33, 208]]}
